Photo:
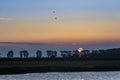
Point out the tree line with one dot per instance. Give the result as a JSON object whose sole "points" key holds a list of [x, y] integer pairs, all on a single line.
{"points": [[113, 53]]}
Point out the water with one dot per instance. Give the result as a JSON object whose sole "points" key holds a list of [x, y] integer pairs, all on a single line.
{"points": [[33, 48], [64, 76]]}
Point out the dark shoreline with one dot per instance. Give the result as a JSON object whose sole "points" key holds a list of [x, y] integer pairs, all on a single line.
{"points": [[38, 65]]}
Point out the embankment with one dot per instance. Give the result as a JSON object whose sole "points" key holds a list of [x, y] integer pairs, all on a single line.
{"points": [[35, 65]]}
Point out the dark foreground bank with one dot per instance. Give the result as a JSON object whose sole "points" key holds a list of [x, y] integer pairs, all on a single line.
{"points": [[36, 65]]}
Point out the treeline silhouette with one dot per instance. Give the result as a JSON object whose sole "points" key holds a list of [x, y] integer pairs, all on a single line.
{"points": [[103, 54], [113, 53]]}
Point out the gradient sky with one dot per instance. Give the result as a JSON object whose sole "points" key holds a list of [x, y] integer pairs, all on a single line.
{"points": [[78, 21]]}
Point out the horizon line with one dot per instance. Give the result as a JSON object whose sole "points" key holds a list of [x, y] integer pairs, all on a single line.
{"points": [[59, 43]]}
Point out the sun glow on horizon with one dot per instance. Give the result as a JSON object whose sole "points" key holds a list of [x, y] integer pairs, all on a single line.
{"points": [[80, 50]]}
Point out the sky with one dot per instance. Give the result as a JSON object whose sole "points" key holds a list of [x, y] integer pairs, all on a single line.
{"points": [[60, 21]]}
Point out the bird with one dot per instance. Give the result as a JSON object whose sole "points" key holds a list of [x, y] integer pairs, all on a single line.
{"points": [[53, 11], [55, 18]]}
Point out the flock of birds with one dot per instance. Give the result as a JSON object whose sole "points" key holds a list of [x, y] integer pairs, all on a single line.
{"points": [[54, 12]]}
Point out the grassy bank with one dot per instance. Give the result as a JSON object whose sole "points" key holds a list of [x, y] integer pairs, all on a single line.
{"points": [[23, 65]]}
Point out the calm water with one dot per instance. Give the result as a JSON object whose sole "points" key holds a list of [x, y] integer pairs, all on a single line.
{"points": [[64, 76], [33, 48]]}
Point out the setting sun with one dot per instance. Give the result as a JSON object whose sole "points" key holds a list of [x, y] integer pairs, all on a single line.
{"points": [[80, 50]]}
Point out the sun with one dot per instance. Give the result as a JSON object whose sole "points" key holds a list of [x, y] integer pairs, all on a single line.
{"points": [[80, 50]]}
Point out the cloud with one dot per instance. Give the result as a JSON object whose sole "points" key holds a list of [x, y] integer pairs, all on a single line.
{"points": [[6, 19], [22, 43]]}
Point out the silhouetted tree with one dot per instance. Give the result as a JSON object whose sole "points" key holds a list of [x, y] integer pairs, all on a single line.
{"points": [[51, 54], [76, 54], [10, 54], [38, 53], [69, 53], [103, 54], [63, 54], [21, 54], [54, 54], [86, 52], [66, 54], [24, 54]]}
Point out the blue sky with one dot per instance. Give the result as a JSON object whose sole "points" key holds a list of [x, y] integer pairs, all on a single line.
{"points": [[35, 8]]}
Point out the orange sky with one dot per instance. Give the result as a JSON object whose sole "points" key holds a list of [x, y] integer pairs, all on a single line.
{"points": [[85, 31]]}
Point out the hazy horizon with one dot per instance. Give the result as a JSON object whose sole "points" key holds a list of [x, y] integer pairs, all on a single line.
{"points": [[56, 46]]}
